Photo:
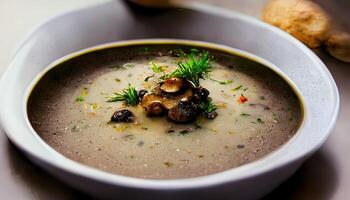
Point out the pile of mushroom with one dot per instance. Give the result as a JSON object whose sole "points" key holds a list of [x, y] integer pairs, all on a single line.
{"points": [[178, 99]]}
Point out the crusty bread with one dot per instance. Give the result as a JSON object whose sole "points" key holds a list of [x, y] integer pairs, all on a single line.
{"points": [[338, 45], [303, 19], [153, 3]]}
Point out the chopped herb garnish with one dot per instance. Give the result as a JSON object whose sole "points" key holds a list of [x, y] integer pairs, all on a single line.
{"points": [[207, 106], [82, 95], [222, 82], [260, 121], [194, 68], [80, 98], [148, 77], [117, 79], [237, 88], [157, 69], [245, 114], [129, 95]]}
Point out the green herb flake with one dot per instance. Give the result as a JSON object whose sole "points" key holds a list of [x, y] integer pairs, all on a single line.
{"points": [[117, 80], [207, 106], [226, 82], [128, 95], [260, 121], [222, 82], [82, 95], [155, 68], [184, 132], [245, 115], [194, 51], [75, 128], [80, 98], [237, 88]]}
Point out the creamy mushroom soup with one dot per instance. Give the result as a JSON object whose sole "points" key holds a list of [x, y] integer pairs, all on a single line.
{"points": [[93, 109]]}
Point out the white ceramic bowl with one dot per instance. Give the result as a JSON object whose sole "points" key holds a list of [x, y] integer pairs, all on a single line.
{"points": [[114, 21]]}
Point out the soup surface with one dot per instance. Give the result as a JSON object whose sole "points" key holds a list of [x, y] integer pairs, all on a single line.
{"points": [[68, 109]]}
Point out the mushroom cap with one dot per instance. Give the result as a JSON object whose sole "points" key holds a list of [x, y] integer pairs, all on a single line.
{"points": [[153, 104], [155, 108], [184, 112], [168, 100], [172, 85]]}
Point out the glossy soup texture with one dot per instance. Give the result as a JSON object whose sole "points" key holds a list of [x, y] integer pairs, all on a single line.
{"points": [[68, 109]]}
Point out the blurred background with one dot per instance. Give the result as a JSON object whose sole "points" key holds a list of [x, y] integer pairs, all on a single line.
{"points": [[326, 175]]}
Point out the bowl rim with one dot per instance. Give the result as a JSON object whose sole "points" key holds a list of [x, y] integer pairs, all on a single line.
{"points": [[188, 183]]}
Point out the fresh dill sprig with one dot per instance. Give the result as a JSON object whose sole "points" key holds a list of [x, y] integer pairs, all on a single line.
{"points": [[129, 95], [207, 106], [194, 68]]}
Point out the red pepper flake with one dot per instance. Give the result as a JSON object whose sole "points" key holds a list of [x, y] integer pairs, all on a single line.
{"points": [[242, 99]]}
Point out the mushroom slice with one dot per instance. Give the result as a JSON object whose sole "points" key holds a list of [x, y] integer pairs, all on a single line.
{"points": [[172, 100], [172, 85], [153, 104]]}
